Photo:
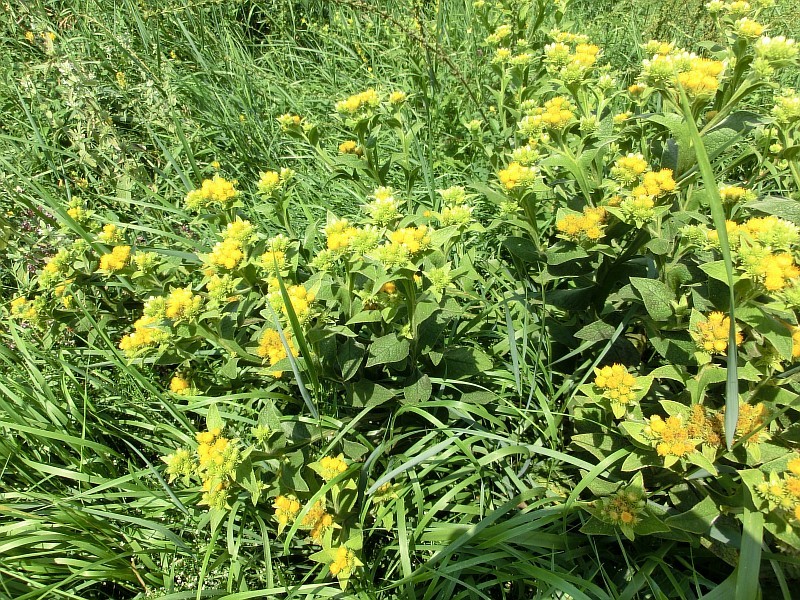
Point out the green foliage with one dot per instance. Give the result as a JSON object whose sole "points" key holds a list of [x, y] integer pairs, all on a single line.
{"points": [[342, 299]]}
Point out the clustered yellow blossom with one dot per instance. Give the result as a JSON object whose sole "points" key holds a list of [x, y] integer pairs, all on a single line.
{"points": [[712, 333], [588, 226], [116, 260], [344, 563], [782, 491], [655, 183], [214, 191], [787, 107], [272, 349], [627, 169], [111, 234], [773, 270], [413, 239], [331, 466], [299, 297], [731, 194], [286, 509], [366, 101], [217, 458], [227, 254], [670, 436], [351, 147], [180, 464], [179, 385], [146, 334], [384, 208], [748, 28], [517, 175], [318, 520], [289, 121], [623, 509], [699, 76], [555, 114], [338, 234], [617, 383], [183, 304], [709, 425], [221, 288], [271, 181], [25, 310]]}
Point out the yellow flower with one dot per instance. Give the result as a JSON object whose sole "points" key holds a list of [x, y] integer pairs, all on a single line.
{"points": [[271, 348], [415, 239], [179, 384], [286, 509], [117, 260], [331, 466], [629, 168], [617, 384], [216, 190], [227, 254], [670, 437], [182, 304], [318, 521], [712, 334], [517, 174]]}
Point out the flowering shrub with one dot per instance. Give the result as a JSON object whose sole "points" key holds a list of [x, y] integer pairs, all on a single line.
{"points": [[581, 304]]}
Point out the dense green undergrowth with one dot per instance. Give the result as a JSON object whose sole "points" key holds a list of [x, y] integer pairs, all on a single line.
{"points": [[399, 299]]}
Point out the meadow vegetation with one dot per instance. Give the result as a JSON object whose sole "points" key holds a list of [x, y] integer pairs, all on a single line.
{"points": [[399, 299]]}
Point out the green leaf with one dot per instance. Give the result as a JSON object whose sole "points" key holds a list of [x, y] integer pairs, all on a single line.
{"points": [[231, 368], [656, 297], [718, 215], [387, 350], [461, 361], [213, 419], [595, 526], [596, 331], [523, 249], [350, 356], [697, 519], [418, 389], [749, 567], [717, 270]]}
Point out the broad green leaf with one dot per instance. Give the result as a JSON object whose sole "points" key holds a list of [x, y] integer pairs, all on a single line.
{"points": [[387, 350], [656, 297]]}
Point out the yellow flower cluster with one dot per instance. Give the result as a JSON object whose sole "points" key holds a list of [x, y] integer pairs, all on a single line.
{"points": [[709, 425], [627, 169], [655, 183], [270, 181], [624, 509], [111, 234], [772, 269], [338, 233], [748, 28], [180, 464], [216, 190], [179, 384], [146, 334], [617, 384], [414, 239], [516, 175], [670, 437], [216, 455], [24, 309], [344, 563], [782, 490], [556, 113], [331, 466], [289, 121], [286, 509], [318, 521], [367, 100], [351, 147], [705, 425], [116, 260], [703, 77], [587, 226], [182, 304], [712, 333], [734, 193], [227, 254], [271, 348]]}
